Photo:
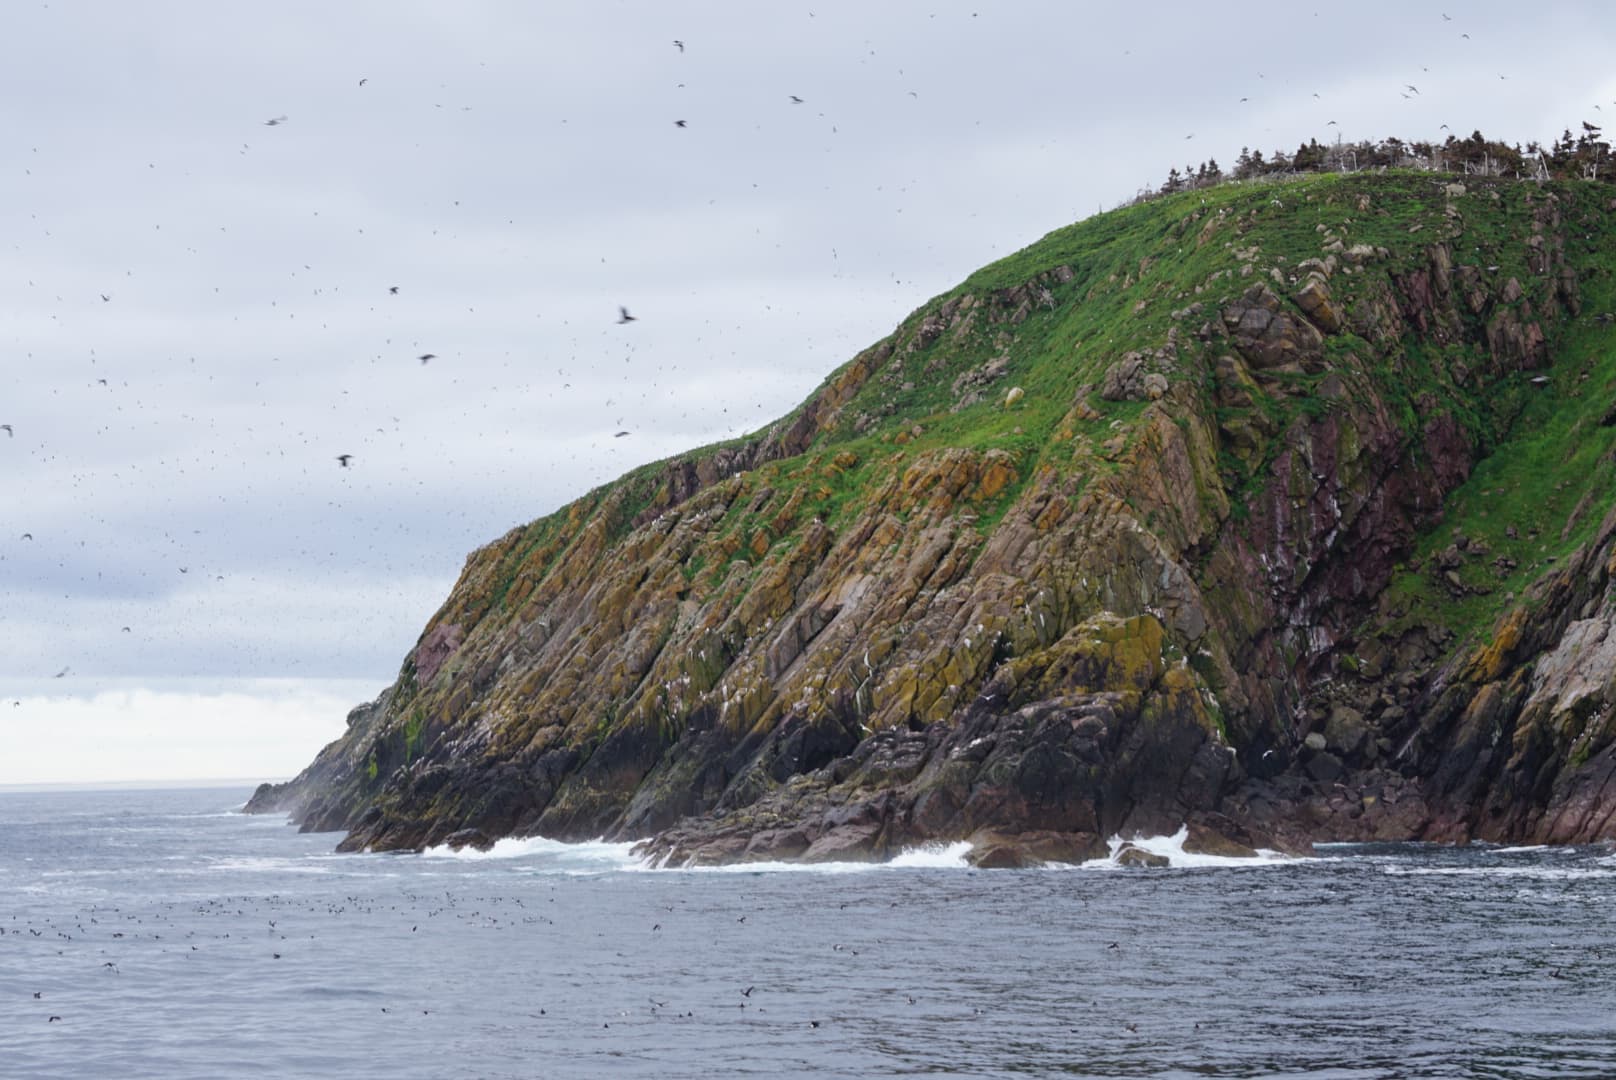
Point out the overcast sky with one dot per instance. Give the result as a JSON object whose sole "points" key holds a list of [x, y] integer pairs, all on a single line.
{"points": [[196, 316]]}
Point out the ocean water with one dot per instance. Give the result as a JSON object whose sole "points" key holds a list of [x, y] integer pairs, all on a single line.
{"points": [[176, 938]]}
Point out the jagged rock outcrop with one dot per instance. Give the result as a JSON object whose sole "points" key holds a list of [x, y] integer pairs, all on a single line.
{"points": [[1186, 571]]}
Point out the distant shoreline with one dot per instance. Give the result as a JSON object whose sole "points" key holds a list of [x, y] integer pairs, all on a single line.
{"points": [[128, 785]]}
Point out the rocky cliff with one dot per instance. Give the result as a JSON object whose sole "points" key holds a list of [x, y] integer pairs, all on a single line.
{"points": [[1280, 509]]}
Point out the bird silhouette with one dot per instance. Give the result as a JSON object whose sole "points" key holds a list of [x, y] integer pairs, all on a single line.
{"points": [[679, 44], [362, 82], [105, 299], [125, 630], [795, 100], [7, 429], [424, 357], [392, 290], [62, 673], [623, 316], [620, 434], [678, 123], [27, 536], [343, 459], [275, 122]]}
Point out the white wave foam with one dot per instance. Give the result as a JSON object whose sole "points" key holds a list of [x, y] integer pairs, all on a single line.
{"points": [[924, 857], [933, 857], [587, 857], [1519, 850], [266, 864], [1171, 848]]}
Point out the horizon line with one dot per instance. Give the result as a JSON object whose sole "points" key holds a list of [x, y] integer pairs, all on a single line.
{"points": [[168, 784]]}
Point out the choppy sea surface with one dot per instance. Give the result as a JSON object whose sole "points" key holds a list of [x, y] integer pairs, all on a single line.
{"points": [[173, 937]]}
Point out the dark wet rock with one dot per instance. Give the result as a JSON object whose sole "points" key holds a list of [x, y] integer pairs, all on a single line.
{"points": [[1324, 766], [475, 839]]}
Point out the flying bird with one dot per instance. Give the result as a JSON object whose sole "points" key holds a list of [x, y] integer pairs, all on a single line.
{"points": [[105, 299], [392, 290], [678, 123], [424, 357], [62, 673], [795, 100], [343, 459], [185, 569], [27, 536], [623, 316], [620, 434], [679, 44], [1412, 88], [275, 122], [362, 82], [126, 630], [1331, 123]]}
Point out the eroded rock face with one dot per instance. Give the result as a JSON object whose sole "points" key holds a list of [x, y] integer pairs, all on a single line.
{"points": [[1269, 336], [805, 646]]}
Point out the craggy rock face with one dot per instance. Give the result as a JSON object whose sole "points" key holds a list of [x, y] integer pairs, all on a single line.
{"points": [[1165, 583]]}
